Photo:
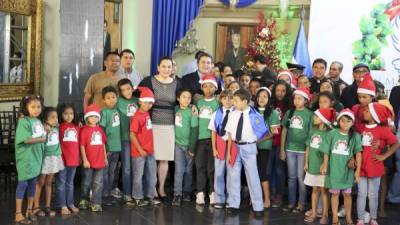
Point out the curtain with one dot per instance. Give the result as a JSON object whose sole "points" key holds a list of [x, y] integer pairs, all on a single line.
{"points": [[171, 20]]}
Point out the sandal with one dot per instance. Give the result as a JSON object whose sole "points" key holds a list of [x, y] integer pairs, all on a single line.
{"points": [[65, 211], [49, 212], [30, 215], [310, 219], [38, 212], [323, 221], [298, 209], [22, 221]]}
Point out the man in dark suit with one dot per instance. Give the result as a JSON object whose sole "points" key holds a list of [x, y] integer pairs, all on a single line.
{"points": [[235, 55], [335, 69], [349, 95], [191, 81], [266, 74]]}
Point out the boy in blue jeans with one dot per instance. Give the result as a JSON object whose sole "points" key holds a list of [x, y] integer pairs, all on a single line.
{"points": [[244, 127]]}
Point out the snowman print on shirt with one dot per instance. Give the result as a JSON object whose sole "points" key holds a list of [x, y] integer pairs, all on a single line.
{"points": [[367, 139], [96, 138], [115, 119], [130, 110], [37, 130], [315, 141], [52, 138], [296, 122], [70, 135], [205, 112], [178, 119], [340, 148]]}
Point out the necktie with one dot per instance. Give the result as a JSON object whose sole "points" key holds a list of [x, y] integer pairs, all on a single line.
{"points": [[239, 128], [224, 122]]}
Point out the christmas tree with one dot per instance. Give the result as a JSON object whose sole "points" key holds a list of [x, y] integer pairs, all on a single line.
{"points": [[265, 43]]}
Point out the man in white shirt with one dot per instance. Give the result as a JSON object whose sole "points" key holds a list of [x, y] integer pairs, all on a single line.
{"points": [[127, 70]]}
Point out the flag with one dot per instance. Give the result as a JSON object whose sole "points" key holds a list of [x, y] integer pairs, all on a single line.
{"points": [[300, 52]]}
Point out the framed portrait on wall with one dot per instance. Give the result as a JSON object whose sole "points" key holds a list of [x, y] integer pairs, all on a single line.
{"points": [[232, 41]]}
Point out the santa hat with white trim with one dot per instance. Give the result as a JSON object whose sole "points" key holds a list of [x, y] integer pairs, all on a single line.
{"points": [[345, 112], [367, 85], [266, 89], [305, 92], [208, 78], [379, 112], [92, 110], [327, 115], [285, 72], [146, 95]]}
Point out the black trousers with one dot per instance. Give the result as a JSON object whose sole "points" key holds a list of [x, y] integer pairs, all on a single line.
{"points": [[204, 161]]}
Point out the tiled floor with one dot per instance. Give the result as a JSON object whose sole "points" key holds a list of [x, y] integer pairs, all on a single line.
{"points": [[187, 214]]}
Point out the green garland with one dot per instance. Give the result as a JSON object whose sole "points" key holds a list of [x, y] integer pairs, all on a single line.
{"points": [[375, 30]]}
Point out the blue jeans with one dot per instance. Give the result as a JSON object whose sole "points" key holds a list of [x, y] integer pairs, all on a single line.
{"points": [[247, 155], [394, 190], [368, 187], [295, 163], [144, 167], [126, 168], [183, 170], [109, 173], [26, 185], [276, 169], [65, 187], [92, 179], [219, 180]]}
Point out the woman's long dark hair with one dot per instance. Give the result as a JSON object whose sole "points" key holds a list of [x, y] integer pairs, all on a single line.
{"points": [[268, 107], [288, 97]]}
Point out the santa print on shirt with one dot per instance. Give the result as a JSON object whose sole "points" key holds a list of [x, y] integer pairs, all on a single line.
{"points": [[93, 139], [370, 133], [277, 137], [141, 125], [69, 134]]}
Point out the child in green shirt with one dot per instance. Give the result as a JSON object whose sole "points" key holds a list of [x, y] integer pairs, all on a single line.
{"points": [[110, 122], [186, 128], [29, 150], [204, 159], [52, 161], [127, 106]]}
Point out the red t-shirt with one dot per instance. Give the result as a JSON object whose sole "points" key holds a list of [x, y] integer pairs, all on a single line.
{"points": [[370, 133], [69, 136], [94, 140], [276, 139], [141, 126]]}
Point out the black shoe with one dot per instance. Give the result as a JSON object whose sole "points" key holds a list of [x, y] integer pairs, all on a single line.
{"points": [[232, 211], [219, 205], [187, 197], [177, 200], [258, 214]]}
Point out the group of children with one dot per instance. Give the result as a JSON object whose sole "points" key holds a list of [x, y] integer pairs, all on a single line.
{"points": [[218, 135]]}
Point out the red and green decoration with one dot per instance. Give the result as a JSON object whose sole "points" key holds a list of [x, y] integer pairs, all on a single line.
{"points": [[374, 28], [265, 43]]}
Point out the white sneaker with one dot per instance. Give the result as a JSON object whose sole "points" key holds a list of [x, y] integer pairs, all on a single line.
{"points": [[367, 217], [342, 212], [212, 198], [116, 193], [200, 198]]}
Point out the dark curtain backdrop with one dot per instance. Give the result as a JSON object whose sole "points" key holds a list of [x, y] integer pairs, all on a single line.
{"points": [[171, 20]]}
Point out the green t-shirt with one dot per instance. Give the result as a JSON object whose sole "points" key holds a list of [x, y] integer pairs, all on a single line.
{"points": [[206, 109], [52, 146], [184, 122], [299, 126], [28, 157], [315, 155], [110, 121], [272, 120], [340, 150], [126, 109]]}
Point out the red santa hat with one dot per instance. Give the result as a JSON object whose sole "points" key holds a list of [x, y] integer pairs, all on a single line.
{"points": [[327, 115], [305, 92], [287, 73], [92, 110], [367, 85], [146, 95], [346, 112], [208, 78], [379, 112]]}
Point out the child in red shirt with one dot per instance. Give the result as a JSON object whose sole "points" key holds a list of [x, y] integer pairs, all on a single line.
{"points": [[92, 140], [69, 134], [372, 168], [143, 161]]}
